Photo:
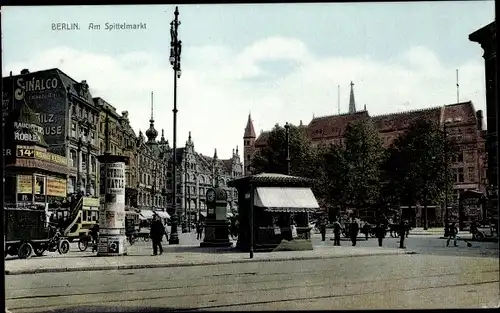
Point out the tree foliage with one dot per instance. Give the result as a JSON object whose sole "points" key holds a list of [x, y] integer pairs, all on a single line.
{"points": [[416, 164], [272, 159], [363, 155]]}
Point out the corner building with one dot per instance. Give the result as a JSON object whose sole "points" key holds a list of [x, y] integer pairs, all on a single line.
{"points": [[68, 117]]}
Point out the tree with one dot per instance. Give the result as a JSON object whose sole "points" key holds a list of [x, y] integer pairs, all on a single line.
{"points": [[332, 177], [272, 158], [416, 165], [363, 156]]}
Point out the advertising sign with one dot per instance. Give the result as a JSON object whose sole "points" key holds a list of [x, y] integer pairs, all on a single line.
{"points": [[25, 184], [45, 94], [102, 245], [56, 187], [112, 212]]}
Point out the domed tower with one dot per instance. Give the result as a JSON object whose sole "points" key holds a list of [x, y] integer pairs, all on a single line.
{"points": [[151, 133], [248, 145]]}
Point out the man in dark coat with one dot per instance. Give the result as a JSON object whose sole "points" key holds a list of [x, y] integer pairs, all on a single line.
{"points": [[366, 230], [354, 230], [380, 231], [94, 233], [402, 233], [156, 234], [322, 228], [337, 229], [199, 230]]}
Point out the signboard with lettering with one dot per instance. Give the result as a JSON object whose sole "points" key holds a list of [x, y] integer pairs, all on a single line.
{"points": [[40, 155], [25, 184], [45, 94], [56, 187]]}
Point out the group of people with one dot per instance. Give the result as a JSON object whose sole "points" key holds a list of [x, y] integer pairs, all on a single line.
{"points": [[352, 229]]}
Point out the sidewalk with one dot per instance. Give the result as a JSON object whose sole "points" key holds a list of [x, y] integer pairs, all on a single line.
{"points": [[178, 256], [439, 232]]}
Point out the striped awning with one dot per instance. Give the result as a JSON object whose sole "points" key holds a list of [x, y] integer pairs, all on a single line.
{"points": [[286, 199], [163, 214], [147, 214]]}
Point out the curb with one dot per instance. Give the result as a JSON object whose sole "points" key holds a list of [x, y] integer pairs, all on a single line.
{"points": [[188, 264]]}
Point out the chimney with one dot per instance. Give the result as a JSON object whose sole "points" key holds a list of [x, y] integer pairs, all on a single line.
{"points": [[25, 71], [479, 116]]}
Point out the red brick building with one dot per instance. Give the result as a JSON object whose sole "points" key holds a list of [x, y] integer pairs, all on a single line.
{"points": [[462, 122]]}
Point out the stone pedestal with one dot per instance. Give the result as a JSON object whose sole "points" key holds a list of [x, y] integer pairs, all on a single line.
{"points": [[112, 239], [216, 224]]}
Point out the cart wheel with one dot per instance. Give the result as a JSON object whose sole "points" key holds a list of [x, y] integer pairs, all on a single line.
{"points": [[146, 239], [83, 244], [132, 240], [63, 246], [480, 236], [25, 251], [39, 251]]}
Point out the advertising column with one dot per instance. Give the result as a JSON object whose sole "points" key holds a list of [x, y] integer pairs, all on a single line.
{"points": [[112, 212]]}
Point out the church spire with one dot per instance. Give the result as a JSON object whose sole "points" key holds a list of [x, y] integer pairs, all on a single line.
{"points": [[249, 130], [151, 133], [352, 103]]}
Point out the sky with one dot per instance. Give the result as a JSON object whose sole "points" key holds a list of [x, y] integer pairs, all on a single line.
{"points": [[279, 62]]}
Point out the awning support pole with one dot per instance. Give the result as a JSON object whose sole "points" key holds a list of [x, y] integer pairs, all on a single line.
{"points": [[251, 220]]}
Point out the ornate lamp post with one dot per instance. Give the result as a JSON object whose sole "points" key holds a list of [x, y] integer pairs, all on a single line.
{"points": [[287, 132], [175, 61]]}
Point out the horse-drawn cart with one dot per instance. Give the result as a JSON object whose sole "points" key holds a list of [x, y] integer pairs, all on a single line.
{"points": [[27, 231]]}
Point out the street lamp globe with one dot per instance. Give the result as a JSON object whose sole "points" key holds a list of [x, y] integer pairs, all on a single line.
{"points": [[172, 58], [179, 72]]}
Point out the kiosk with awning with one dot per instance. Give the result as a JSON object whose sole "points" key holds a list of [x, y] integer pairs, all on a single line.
{"points": [[268, 204]]}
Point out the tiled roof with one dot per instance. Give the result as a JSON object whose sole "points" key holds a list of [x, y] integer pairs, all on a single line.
{"points": [[399, 121], [332, 126], [271, 179]]}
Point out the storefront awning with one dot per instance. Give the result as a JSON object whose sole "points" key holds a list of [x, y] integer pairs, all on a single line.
{"points": [[204, 214], [286, 199], [163, 214], [146, 214], [229, 214]]}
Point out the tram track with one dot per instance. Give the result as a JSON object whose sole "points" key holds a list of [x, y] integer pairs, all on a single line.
{"points": [[360, 287]]}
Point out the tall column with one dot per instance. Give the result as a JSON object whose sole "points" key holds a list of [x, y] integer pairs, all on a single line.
{"points": [[112, 239]]}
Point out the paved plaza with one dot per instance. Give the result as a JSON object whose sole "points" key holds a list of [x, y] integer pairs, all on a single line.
{"points": [[417, 281]]}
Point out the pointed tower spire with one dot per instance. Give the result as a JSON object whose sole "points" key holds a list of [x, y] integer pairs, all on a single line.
{"points": [[151, 133], [237, 152], [352, 103], [189, 138], [249, 130], [215, 154]]}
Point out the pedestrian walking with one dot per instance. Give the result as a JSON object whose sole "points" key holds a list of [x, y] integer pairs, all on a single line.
{"points": [[354, 231], [380, 232], [337, 229], [451, 233], [366, 230], [322, 229], [156, 234], [94, 233], [402, 234], [199, 229]]}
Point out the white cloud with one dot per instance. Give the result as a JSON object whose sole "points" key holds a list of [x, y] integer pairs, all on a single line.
{"points": [[220, 86]]}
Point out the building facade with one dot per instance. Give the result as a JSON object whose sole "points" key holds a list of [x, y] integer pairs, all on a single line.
{"points": [[461, 120], [68, 117], [198, 172]]}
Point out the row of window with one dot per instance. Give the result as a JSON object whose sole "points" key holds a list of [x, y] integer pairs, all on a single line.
{"points": [[459, 174], [73, 162]]}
